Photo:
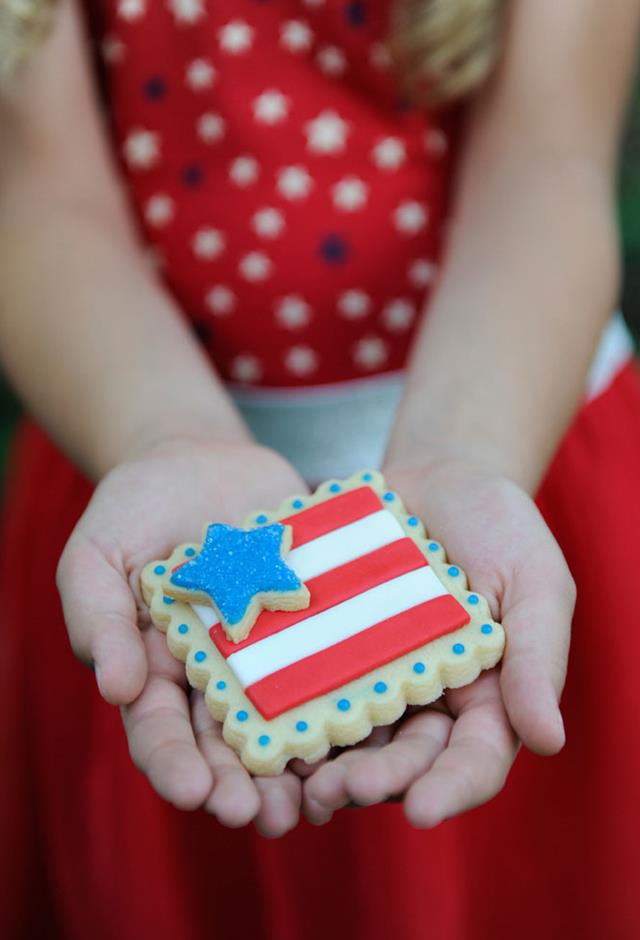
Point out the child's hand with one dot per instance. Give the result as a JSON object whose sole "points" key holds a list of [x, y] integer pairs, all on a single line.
{"points": [[455, 754], [139, 512]]}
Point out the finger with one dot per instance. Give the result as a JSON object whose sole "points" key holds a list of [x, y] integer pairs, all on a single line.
{"points": [[234, 798], [537, 620], [162, 743], [325, 791], [280, 807], [380, 774], [473, 767], [101, 618]]}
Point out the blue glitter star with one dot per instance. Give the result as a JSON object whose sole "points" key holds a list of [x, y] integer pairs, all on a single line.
{"points": [[236, 566]]}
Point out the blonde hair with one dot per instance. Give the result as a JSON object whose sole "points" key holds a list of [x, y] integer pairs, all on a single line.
{"points": [[445, 49]]}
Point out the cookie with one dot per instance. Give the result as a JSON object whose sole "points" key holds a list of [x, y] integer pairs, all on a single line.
{"points": [[389, 623]]}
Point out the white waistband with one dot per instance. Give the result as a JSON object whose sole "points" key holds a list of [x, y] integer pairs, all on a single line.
{"points": [[334, 430]]}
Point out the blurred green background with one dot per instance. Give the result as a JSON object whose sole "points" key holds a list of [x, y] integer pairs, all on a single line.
{"points": [[629, 210]]}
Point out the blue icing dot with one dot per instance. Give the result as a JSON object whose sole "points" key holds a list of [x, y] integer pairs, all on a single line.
{"points": [[453, 571], [367, 477], [189, 552], [433, 546], [200, 656], [334, 249], [263, 740], [242, 715], [301, 726], [159, 569], [183, 628], [344, 704], [297, 504], [221, 685], [413, 520], [236, 564], [458, 648], [419, 668], [380, 687], [335, 488], [168, 600], [261, 519], [473, 598], [486, 628], [389, 497]]}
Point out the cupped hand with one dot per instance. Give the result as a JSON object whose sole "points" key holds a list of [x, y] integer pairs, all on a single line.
{"points": [[456, 753], [139, 512]]}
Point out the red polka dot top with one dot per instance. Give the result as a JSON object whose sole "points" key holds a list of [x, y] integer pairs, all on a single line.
{"points": [[293, 200]]}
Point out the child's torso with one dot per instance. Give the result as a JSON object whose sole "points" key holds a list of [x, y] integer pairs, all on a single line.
{"points": [[294, 202]]}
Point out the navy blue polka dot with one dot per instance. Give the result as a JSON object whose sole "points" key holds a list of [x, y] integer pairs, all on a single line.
{"points": [[419, 668], [344, 704], [192, 175], [356, 13], [380, 687], [458, 648], [486, 628], [301, 726], [183, 628], [221, 685], [263, 740], [334, 249], [159, 569], [200, 656], [242, 715], [155, 88]]}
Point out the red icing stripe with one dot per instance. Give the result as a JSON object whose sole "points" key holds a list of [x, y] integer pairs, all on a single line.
{"points": [[332, 514], [323, 672], [332, 588]]}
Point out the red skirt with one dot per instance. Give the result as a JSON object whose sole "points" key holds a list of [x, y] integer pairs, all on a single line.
{"points": [[88, 850]]}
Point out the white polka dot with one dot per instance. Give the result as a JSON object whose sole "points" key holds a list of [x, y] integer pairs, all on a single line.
{"points": [[187, 11], [370, 352], [243, 171], [236, 37], [211, 128], [389, 153], [208, 244], [255, 266], [221, 299], [113, 50], [292, 311], [200, 74], [435, 142], [296, 36], [398, 314], [131, 10], [246, 368], [354, 304], [327, 133], [271, 107], [159, 210], [331, 61], [141, 149], [268, 223], [350, 194], [410, 217], [301, 360], [294, 182], [421, 272], [314, 4], [380, 57]]}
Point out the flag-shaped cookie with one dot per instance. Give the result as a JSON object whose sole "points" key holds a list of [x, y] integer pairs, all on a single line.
{"points": [[388, 623]]}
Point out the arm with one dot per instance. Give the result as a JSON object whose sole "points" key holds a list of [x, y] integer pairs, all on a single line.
{"points": [[497, 372], [100, 354]]}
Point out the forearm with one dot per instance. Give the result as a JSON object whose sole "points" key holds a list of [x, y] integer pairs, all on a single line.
{"points": [[532, 276], [90, 340]]}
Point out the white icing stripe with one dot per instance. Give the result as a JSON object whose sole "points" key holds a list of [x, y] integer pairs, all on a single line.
{"points": [[325, 629], [332, 550]]}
